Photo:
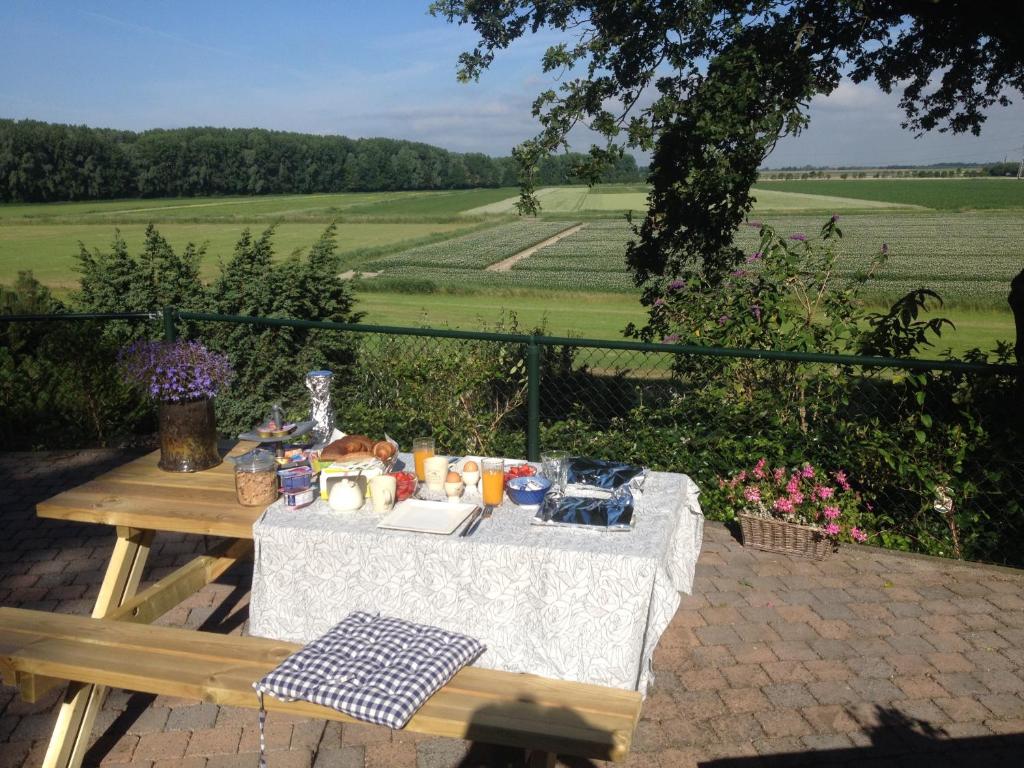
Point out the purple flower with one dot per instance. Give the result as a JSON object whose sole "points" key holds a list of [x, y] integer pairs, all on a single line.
{"points": [[885, 248], [755, 310], [754, 224], [798, 236], [659, 302], [755, 256], [672, 338], [835, 217], [175, 371], [723, 319], [739, 273], [675, 285]]}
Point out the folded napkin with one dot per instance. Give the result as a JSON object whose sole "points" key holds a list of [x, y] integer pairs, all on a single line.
{"points": [[373, 668]]}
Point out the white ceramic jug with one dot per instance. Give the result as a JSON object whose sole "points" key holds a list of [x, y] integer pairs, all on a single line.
{"points": [[345, 496]]}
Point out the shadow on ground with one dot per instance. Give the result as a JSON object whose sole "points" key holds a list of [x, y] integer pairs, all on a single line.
{"points": [[897, 740]]}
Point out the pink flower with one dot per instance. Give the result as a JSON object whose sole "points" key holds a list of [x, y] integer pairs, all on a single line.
{"points": [[742, 476], [832, 529], [832, 512], [797, 497], [755, 256], [794, 484], [759, 469], [842, 481], [752, 493], [779, 474], [858, 535], [823, 492], [807, 472], [785, 506]]}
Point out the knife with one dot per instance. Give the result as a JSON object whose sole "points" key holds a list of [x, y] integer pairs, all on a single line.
{"points": [[474, 518]]}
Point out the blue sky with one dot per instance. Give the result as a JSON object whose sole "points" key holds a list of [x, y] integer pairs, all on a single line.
{"points": [[356, 68]]}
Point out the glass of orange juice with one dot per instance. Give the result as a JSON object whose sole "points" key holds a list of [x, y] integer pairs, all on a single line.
{"points": [[492, 474], [422, 449]]}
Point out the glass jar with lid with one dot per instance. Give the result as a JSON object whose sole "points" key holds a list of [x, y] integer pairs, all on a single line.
{"points": [[256, 478]]}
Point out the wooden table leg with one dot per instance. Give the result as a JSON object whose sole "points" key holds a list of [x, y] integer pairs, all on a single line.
{"points": [[71, 734]]}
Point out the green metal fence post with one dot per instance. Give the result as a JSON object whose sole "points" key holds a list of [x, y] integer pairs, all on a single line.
{"points": [[533, 399], [170, 329]]}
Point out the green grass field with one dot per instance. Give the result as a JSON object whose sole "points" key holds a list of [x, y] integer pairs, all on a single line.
{"points": [[616, 199], [49, 250], [938, 194], [961, 236]]}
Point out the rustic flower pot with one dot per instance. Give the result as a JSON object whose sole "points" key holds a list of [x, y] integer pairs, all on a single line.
{"points": [[774, 535], [188, 436]]}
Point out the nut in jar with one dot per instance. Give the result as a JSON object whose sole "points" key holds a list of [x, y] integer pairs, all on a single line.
{"points": [[256, 478]]}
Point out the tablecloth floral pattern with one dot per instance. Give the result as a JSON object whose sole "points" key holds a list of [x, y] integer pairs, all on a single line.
{"points": [[562, 603]]}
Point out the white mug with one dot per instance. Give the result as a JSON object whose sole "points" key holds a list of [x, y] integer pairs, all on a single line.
{"points": [[383, 490], [435, 470]]}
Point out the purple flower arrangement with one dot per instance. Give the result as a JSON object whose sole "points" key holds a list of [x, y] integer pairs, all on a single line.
{"points": [[179, 371], [805, 496]]}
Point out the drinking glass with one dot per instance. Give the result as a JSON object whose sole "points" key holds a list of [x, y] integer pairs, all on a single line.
{"points": [[422, 448], [555, 467], [492, 472]]}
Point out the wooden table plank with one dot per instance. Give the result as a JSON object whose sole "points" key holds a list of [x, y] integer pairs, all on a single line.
{"points": [[141, 495]]}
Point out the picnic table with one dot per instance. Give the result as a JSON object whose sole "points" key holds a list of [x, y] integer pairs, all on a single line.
{"points": [[116, 647], [565, 603]]}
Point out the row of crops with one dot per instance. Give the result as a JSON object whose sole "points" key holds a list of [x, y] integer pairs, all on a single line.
{"points": [[476, 250], [969, 257]]}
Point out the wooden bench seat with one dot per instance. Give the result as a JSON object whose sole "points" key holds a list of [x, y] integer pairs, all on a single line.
{"points": [[489, 706]]}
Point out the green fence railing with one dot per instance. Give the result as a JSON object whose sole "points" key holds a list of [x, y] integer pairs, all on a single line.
{"points": [[912, 431]]}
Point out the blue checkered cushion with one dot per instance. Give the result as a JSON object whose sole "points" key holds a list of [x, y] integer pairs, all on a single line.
{"points": [[373, 668]]}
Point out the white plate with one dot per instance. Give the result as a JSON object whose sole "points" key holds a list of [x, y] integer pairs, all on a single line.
{"points": [[426, 516]]}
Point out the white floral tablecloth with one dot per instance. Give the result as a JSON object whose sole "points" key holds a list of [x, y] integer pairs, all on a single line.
{"points": [[562, 603]]}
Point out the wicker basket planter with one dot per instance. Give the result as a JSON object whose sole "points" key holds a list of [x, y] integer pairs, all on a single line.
{"points": [[774, 535]]}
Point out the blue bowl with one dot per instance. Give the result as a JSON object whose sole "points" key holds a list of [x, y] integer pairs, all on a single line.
{"points": [[517, 492]]}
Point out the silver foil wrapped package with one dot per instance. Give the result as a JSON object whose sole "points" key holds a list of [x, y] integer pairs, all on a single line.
{"points": [[320, 411]]}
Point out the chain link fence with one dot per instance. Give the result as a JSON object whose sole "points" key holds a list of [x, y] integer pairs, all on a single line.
{"points": [[934, 447]]}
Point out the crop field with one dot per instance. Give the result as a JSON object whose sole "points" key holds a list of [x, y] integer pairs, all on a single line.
{"points": [[969, 259], [475, 251], [617, 199], [319, 207], [938, 194], [432, 248]]}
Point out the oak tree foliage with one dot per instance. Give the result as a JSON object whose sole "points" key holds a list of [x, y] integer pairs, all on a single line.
{"points": [[709, 87]]}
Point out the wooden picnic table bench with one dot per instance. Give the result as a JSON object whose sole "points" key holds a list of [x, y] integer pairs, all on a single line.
{"points": [[118, 648]]}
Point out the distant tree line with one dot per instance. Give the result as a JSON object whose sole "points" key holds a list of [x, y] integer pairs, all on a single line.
{"points": [[43, 162], [937, 171]]}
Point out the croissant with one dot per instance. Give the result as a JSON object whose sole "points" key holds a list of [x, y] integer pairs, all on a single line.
{"points": [[383, 450], [346, 446]]}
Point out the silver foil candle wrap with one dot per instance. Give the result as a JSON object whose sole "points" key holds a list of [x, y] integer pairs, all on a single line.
{"points": [[319, 385]]}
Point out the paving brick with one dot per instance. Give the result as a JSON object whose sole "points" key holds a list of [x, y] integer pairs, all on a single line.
{"points": [[185, 762], [121, 752], [949, 662], [362, 734], [215, 741], [752, 653], [783, 722], [788, 672], [157, 746], [829, 718], [743, 699], [792, 695], [793, 650], [354, 757], [745, 675], [192, 717], [1003, 704], [919, 687]]}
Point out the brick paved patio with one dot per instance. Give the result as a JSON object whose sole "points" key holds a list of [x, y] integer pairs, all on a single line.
{"points": [[870, 658]]}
